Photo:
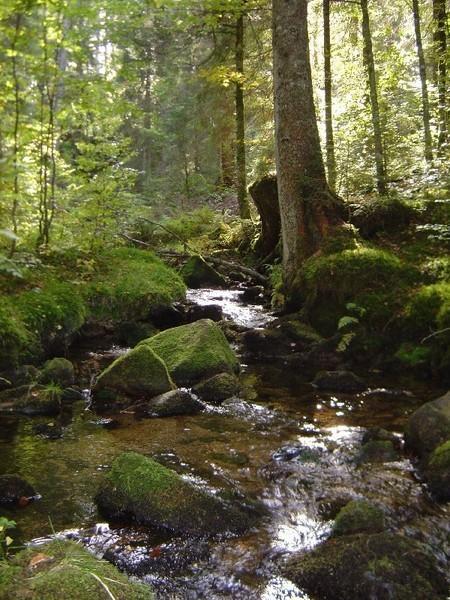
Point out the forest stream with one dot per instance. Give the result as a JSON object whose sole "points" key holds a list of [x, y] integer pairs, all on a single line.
{"points": [[283, 445]]}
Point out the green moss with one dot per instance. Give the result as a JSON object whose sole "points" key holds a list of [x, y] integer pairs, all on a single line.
{"points": [[130, 282], [193, 352], [151, 493], [137, 373], [33, 399], [343, 238], [441, 456], [358, 516], [218, 388], [59, 371], [65, 570], [377, 451], [374, 279]]}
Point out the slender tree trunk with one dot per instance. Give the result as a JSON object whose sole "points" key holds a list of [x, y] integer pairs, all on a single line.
{"points": [[375, 109], [423, 83], [440, 49], [331, 159], [308, 209], [17, 100], [241, 176]]}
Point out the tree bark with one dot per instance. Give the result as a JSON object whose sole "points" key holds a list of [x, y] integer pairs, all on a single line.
{"points": [[241, 175], [331, 159], [423, 83], [375, 109], [309, 210], [440, 49], [17, 107], [264, 193]]}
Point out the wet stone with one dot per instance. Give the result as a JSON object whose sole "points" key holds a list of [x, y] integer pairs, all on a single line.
{"points": [[377, 451], [339, 381], [170, 404], [14, 490]]}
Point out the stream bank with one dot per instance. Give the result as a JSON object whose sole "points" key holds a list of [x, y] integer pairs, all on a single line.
{"points": [[284, 444]]}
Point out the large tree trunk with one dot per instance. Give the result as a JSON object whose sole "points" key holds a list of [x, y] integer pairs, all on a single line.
{"points": [[241, 176], [309, 210], [440, 50], [423, 83], [376, 121], [264, 193], [331, 160]]}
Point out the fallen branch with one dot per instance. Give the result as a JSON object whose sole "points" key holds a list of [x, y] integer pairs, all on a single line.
{"points": [[435, 333]]}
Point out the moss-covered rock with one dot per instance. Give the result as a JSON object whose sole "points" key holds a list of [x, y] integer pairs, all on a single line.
{"points": [[143, 489], [381, 214], [32, 399], [139, 373], [437, 472], [13, 488], [218, 388], [372, 279], [64, 569], [359, 516], [197, 273], [358, 567], [193, 352], [377, 451], [339, 381], [59, 371], [428, 426]]}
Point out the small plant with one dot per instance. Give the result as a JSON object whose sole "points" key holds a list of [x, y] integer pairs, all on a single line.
{"points": [[349, 324], [5, 540]]}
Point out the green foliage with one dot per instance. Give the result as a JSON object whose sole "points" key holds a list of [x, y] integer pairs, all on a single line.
{"points": [[358, 516], [5, 540]]}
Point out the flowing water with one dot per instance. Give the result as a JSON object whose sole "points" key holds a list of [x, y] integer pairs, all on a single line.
{"points": [[284, 445]]}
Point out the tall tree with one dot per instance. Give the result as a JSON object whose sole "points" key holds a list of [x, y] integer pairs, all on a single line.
{"points": [[373, 94], [309, 210], [440, 50], [423, 83], [241, 173], [331, 160]]}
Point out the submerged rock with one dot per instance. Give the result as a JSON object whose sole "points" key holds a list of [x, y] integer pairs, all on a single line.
{"points": [[339, 381], [359, 516], [377, 451], [150, 493], [193, 352], [171, 404], [139, 373], [59, 371], [63, 569], [428, 426], [218, 388], [196, 273], [358, 567], [15, 490], [32, 400]]}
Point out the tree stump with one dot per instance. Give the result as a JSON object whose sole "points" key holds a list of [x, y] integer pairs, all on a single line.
{"points": [[265, 196]]}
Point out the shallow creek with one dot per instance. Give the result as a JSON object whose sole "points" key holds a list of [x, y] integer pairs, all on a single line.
{"points": [[283, 444]]}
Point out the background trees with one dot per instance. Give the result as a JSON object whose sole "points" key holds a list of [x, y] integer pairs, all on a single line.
{"points": [[112, 109]]}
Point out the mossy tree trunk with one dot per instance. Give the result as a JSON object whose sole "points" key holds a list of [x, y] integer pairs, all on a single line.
{"points": [[331, 159], [440, 51], [373, 94], [423, 83], [309, 210], [241, 175]]}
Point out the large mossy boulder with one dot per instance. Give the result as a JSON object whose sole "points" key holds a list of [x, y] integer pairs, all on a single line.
{"points": [[428, 426], [437, 472], [59, 371], [358, 516], [143, 489], [32, 400], [196, 273], [138, 374], [65, 570], [381, 215], [358, 567], [194, 352]]}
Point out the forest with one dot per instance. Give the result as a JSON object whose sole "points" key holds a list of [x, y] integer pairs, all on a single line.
{"points": [[224, 300]]}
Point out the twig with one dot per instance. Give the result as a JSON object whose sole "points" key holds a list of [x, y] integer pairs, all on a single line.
{"points": [[432, 335]]}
